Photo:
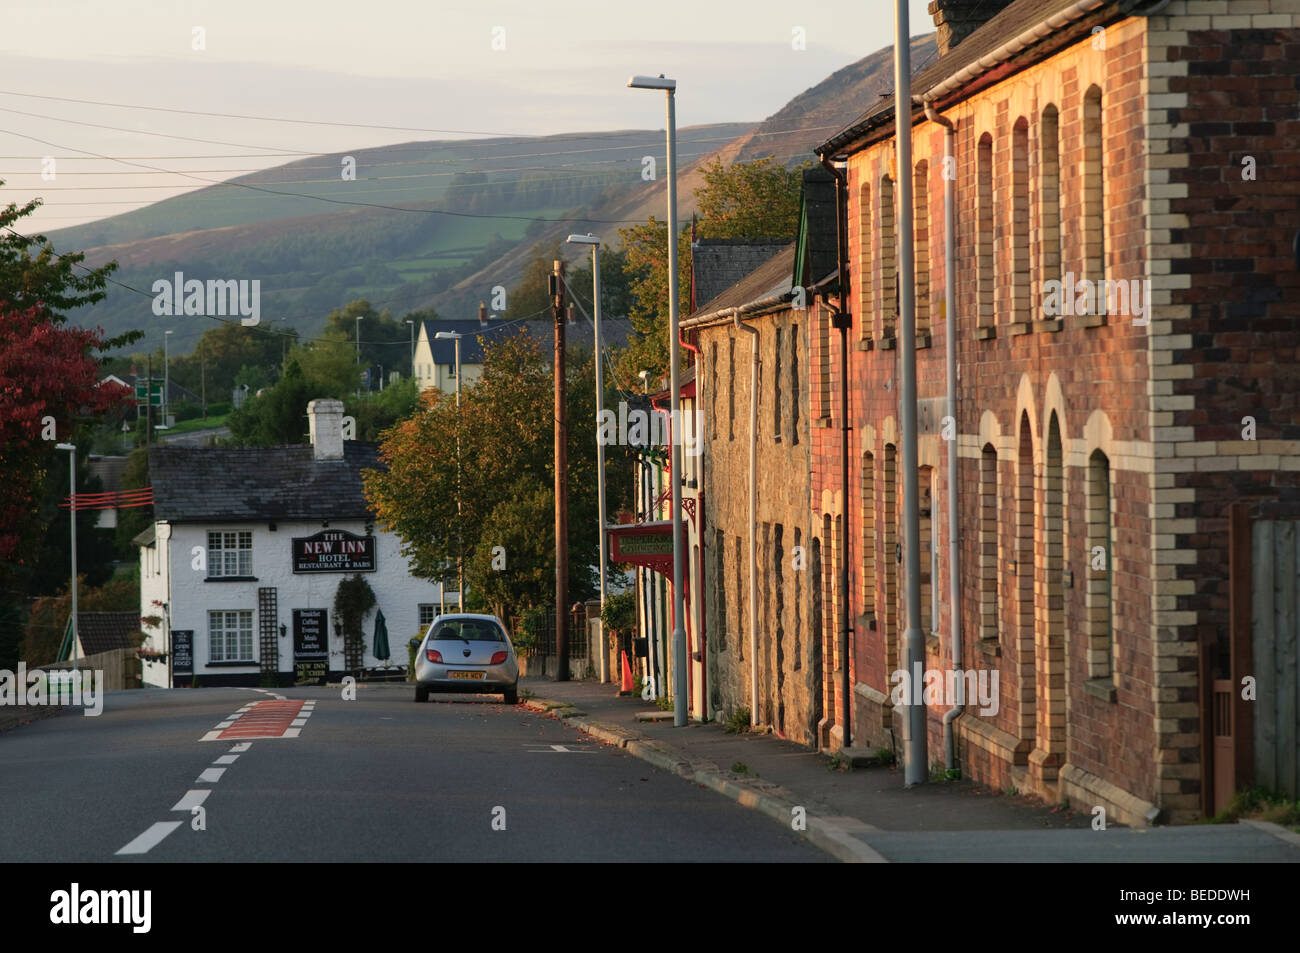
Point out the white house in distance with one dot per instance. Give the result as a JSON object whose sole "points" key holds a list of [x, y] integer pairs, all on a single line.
{"points": [[435, 358], [247, 551]]}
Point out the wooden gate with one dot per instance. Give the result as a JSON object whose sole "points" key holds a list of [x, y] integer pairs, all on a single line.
{"points": [[1275, 635]]}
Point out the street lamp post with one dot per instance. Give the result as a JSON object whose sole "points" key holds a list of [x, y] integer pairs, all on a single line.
{"points": [[594, 242], [460, 558], [167, 379], [669, 86], [358, 327], [72, 519]]}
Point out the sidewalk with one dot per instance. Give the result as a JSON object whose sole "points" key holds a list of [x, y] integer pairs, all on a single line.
{"points": [[867, 815]]}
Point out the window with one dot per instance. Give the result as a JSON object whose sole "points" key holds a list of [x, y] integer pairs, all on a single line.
{"points": [[888, 264], [428, 612], [988, 543], [230, 636], [230, 554], [1049, 197], [1094, 218], [925, 503], [451, 370], [776, 389], [731, 390], [794, 384], [984, 231], [864, 260], [921, 241], [1101, 572], [1020, 222], [471, 630], [868, 537]]}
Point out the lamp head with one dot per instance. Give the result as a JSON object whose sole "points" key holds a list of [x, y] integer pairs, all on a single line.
{"points": [[652, 82], [587, 239]]}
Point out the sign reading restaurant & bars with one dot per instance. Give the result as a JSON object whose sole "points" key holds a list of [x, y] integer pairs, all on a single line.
{"points": [[334, 550]]}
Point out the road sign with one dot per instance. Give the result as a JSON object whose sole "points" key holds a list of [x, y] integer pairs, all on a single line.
{"points": [[155, 392]]}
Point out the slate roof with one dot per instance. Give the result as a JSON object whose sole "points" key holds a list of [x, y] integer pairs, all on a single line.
{"points": [[1005, 26], [105, 631], [109, 470], [718, 263], [818, 252], [232, 484], [775, 276]]}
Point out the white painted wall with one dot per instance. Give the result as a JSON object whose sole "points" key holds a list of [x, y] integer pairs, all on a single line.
{"points": [[190, 597]]}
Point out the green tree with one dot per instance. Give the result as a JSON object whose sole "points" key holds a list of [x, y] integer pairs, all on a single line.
{"points": [[756, 199], [531, 294]]}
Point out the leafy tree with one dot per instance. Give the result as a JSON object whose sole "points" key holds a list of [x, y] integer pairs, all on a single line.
{"points": [[505, 478], [277, 417], [756, 199], [616, 300], [532, 292], [375, 413], [49, 616]]}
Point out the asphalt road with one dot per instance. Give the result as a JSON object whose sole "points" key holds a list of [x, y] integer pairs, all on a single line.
{"points": [[380, 778]]}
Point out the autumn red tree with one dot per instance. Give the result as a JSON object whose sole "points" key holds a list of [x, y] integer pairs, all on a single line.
{"points": [[48, 384]]}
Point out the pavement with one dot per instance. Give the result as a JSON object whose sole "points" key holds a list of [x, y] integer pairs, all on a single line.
{"points": [[867, 815]]}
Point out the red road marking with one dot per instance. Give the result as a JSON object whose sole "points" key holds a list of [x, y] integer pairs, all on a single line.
{"points": [[267, 719]]}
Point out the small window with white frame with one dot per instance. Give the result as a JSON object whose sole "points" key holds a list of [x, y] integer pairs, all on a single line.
{"points": [[428, 612], [230, 553], [230, 636]]}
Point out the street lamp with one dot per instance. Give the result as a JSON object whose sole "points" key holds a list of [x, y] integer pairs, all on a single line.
{"points": [[72, 519], [669, 87], [460, 559], [358, 327], [167, 386], [594, 242]]}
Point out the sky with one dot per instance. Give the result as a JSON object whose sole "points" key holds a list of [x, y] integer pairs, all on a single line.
{"points": [[442, 70]]}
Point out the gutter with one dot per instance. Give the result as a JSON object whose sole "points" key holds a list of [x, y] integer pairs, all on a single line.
{"points": [[753, 495], [950, 408], [725, 315]]}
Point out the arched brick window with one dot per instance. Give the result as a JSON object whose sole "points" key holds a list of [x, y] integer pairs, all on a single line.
{"points": [[1094, 209], [867, 317], [1049, 201], [1101, 570], [984, 231], [921, 243], [888, 306], [1020, 221], [988, 543]]}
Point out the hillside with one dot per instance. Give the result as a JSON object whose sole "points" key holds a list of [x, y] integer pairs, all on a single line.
{"points": [[458, 218]]}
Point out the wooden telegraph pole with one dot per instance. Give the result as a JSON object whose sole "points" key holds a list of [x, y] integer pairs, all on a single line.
{"points": [[561, 482]]}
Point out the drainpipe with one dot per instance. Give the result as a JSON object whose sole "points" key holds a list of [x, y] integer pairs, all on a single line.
{"points": [[753, 496], [842, 319], [950, 348], [699, 654]]}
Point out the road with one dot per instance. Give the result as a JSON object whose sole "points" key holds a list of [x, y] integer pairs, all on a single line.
{"points": [[379, 778]]}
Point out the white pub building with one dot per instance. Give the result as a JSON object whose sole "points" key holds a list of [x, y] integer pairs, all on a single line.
{"points": [[246, 553]]}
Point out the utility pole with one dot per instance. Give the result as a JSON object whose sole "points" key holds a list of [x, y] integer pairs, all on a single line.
{"points": [[203, 380], [561, 481], [148, 398], [915, 769]]}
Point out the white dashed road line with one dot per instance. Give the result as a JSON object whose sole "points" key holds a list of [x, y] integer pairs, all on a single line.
{"points": [[192, 799], [150, 838], [210, 775]]}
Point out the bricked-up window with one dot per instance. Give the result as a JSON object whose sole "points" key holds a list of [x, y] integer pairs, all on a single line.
{"points": [[798, 616], [230, 636], [742, 600], [794, 385], [888, 261], [889, 506], [823, 363], [868, 536], [1094, 209], [1022, 581], [1020, 221], [230, 554], [731, 389], [921, 243], [776, 388], [988, 543], [925, 503], [720, 586], [867, 321], [1049, 200], [1101, 571], [984, 230], [713, 390]]}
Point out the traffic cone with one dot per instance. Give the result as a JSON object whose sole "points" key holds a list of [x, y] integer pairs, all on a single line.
{"points": [[627, 685]]}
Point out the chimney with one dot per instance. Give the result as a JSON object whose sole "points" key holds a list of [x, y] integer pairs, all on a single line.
{"points": [[957, 19], [325, 418], [482, 315]]}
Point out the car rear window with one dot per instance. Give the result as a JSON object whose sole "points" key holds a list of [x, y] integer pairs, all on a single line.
{"points": [[474, 630]]}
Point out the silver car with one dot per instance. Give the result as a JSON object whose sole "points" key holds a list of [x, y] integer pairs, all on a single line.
{"points": [[464, 652]]}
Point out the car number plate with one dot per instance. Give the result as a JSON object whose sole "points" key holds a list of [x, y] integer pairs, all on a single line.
{"points": [[466, 674]]}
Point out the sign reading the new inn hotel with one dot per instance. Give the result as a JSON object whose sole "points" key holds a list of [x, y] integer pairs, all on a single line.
{"points": [[334, 550]]}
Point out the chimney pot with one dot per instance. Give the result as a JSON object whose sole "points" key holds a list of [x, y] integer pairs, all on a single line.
{"points": [[325, 420]]}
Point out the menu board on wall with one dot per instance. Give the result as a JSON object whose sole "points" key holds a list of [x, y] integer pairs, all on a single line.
{"points": [[310, 645]]}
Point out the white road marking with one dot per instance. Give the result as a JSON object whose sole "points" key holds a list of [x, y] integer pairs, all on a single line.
{"points": [[563, 749], [192, 799], [150, 838], [291, 733], [227, 759], [212, 775], [298, 722], [242, 746], [226, 724], [211, 736]]}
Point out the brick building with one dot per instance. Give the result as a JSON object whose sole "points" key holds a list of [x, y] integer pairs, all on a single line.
{"points": [[1127, 430]]}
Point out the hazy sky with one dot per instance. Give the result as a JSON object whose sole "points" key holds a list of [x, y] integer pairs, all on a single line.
{"points": [[447, 68]]}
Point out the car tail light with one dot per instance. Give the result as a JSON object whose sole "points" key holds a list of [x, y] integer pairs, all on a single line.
{"points": [[499, 657], [433, 655]]}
